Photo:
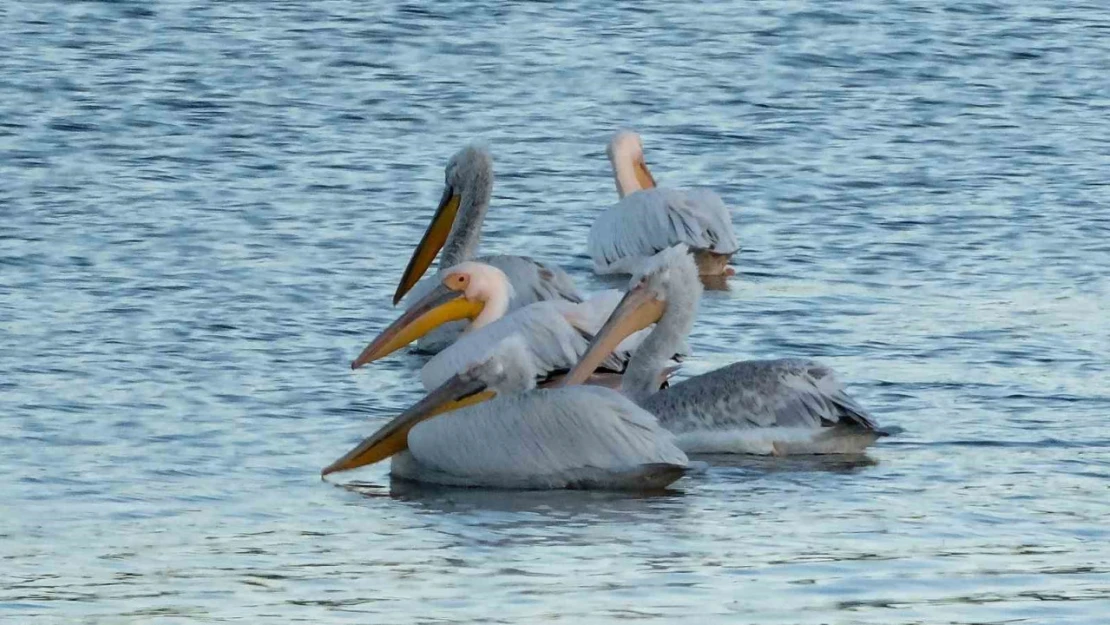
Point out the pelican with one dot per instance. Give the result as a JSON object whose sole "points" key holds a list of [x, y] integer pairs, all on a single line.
{"points": [[523, 438], [648, 219], [780, 407], [456, 228], [556, 333]]}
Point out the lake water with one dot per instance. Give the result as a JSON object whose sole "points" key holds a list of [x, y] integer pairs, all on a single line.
{"points": [[206, 206]]}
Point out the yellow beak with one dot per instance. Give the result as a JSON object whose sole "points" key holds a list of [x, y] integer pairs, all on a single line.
{"points": [[643, 176], [435, 309], [637, 310], [430, 243], [392, 438]]}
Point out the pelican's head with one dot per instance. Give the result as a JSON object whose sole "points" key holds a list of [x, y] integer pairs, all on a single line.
{"points": [[508, 368], [469, 167], [469, 290], [665, 289], [626, 155], [469, 174]]}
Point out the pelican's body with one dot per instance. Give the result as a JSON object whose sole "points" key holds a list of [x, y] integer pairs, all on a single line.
{"points": [[573, 437], [524, 438], [555, 335], [648, 219], [556, 332], [457, 228], [787, 406], [764, 407]]}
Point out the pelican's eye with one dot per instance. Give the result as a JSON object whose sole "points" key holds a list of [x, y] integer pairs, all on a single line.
{"points": [[457, 282]]}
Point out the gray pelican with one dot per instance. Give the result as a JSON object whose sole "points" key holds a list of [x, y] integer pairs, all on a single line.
{"points": [[648, 219], [787, 406], [456, 228], [523, 438], [556, 333]]}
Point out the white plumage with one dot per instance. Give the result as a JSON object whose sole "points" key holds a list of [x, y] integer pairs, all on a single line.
{"points": [[530, 281], [575, 437], [556, 333]]}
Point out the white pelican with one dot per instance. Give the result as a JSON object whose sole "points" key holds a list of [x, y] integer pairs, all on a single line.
{"points": [[788, 406], [573, 437], [456, 228], [648, 219], [556, 333]]}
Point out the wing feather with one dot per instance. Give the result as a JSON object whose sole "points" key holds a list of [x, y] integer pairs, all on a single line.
{"points": [[648, 221], [544, 438], [759, 394], [553, 343]]}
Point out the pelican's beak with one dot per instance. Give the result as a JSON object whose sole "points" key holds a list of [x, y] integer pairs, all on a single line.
{"points": [[435, 309], [430, 243], [643, 176], [639, 309], [393, 437]]}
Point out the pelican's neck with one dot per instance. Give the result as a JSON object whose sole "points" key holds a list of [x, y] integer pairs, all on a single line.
{"points": [[624, 171], [642, 376], [497, 304], [466, 232]]}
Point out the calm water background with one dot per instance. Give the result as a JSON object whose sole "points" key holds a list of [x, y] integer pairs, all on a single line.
{"points": [[205, 208]]}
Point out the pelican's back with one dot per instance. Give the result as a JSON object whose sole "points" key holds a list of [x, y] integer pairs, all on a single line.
{"points": [[650, 220], [764, 406], [554, 343], [574, 437]]}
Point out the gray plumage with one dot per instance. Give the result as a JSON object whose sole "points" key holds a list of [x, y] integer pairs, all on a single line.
{"points": [[755, 406], [651, 220], [470, 174], [789, 392]]}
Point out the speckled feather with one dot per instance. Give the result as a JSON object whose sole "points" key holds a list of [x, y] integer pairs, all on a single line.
{"points": [[758, 394]]}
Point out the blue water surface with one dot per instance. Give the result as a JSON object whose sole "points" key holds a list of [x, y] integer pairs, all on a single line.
{"points": [[206, 206]]}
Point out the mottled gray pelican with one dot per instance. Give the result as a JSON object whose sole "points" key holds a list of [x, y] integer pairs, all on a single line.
{"points": [[648, 219], [555, 332], [527, 438], [456, 228], [787, 406]]}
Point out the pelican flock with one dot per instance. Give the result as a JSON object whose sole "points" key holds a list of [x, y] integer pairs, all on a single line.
{"points": [[533, 386]]}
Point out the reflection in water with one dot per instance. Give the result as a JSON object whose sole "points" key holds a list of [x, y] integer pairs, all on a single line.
{"points": [[716, 283], [848, 463]]}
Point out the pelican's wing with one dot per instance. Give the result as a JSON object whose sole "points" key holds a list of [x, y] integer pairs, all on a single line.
{"points": [[534, 281], [546, 439], [650, 220], [555, 345], [758, 394]]}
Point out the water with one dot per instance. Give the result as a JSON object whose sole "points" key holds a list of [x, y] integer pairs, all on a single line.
{"points": [[206, 207]]}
